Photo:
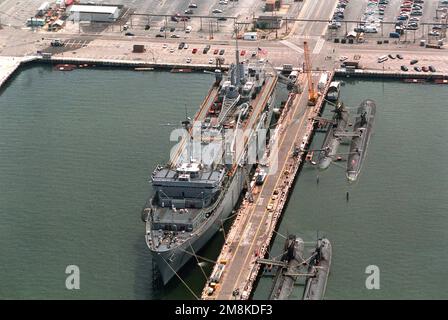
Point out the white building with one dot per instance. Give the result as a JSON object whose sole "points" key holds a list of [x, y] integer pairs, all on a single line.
{"points": [[94, 13]]}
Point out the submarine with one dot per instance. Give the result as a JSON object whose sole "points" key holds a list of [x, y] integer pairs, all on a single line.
{"points": [[362, 130], [285, 278], [319, 267], [331, 141]]}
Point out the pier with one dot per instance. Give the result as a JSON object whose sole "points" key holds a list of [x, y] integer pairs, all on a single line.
{"points": [[249, 238], [8, 65]]}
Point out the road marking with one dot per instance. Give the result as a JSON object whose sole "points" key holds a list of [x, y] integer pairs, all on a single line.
{"points": [[319, 45], [291, 46]]}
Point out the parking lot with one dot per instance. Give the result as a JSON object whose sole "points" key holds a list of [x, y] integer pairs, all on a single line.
{"points": [[380, 18]]}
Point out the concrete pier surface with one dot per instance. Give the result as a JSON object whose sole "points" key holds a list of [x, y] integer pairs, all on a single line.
{"points": [[251, 233], [8, 65]]}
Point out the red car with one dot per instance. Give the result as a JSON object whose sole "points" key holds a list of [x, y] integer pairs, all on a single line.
{"points": [[243, 52], [216, 51], [194, 50]]}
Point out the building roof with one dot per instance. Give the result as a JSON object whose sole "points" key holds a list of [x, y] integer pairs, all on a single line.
{"points": [[94, 9]]}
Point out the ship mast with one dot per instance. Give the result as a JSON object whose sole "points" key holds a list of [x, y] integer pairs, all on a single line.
{"points": [[237, 60]]}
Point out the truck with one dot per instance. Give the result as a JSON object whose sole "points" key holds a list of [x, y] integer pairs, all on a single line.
{"points": [[251, 36], [293, 75], [322, 81]]}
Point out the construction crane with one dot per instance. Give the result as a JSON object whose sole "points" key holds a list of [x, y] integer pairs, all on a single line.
{"points": [[312, 94]]}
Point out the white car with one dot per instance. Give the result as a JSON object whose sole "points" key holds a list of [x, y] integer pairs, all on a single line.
{"points": [[171, 50], [211, 61], [343, 58], [188, 60], [186, 46], [224, 2], [164, 46], [217, 11]]}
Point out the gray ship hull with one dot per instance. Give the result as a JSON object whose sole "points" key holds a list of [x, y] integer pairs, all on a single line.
{"points": [[171, 261], [316, 286], [359, 144]]}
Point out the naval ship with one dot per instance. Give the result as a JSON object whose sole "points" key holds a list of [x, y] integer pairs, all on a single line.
{"points": [[196, 191], [332, 140], [362, 129]]}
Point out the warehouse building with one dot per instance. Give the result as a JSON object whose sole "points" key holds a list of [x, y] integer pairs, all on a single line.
{"points": [[94, 13]]}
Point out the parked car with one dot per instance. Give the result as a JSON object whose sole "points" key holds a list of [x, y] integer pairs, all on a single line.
{"points": [[181, 45], [404, 68], [221, 52], [399, 56], [206, 49], [414, 61], [194, 50], [129, 34], [211, 61], [417, 69], [188, 60], [216, 51], [192, 5], [217, 11], [425, 69], [432, 69], [394, 35]]}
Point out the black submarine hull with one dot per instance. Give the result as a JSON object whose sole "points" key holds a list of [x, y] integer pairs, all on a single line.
{"points": [[358, 147]]}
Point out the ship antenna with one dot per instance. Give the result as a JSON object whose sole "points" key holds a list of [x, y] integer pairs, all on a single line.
{"points": [[236, 47], [187, 125]]}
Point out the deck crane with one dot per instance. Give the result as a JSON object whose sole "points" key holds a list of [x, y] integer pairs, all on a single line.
{"points": [[312, 94]]}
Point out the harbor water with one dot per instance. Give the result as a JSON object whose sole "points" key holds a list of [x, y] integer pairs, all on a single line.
{"points": [[77, 149]]}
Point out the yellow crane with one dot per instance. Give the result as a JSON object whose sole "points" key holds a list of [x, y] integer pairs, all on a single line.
{"points": [[312, 94]]}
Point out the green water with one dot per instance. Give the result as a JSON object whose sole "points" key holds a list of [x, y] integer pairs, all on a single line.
{"points": [[77, 148]]}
